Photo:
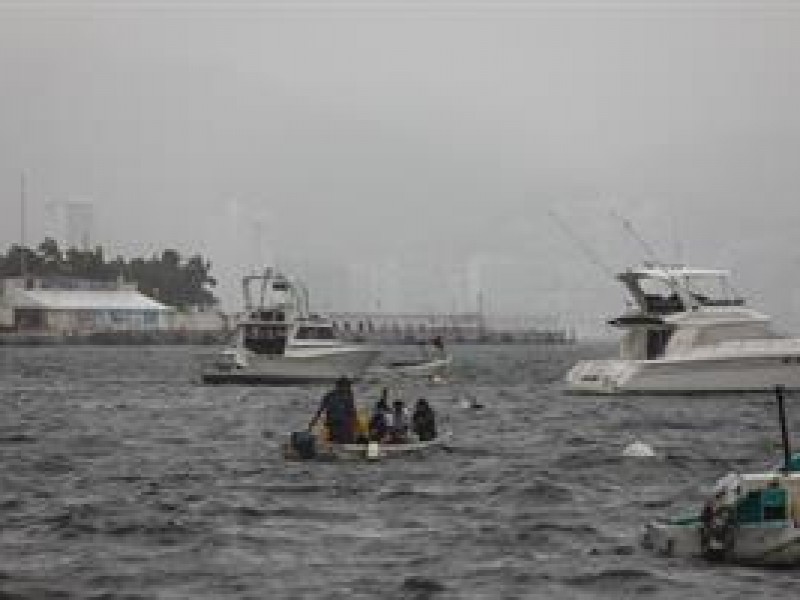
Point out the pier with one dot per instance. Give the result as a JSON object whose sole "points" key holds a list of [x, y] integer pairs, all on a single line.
{"points": [[470, 328]]}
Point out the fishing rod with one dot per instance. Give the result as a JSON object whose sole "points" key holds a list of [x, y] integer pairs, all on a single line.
{"points": [[593, 256], [631, 230]]}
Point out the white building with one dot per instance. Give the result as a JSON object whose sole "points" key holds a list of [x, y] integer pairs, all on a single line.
{"points": [[68, 305]]}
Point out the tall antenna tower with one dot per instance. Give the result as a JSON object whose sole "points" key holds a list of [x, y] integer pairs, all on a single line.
{"points": [[23, 201]]}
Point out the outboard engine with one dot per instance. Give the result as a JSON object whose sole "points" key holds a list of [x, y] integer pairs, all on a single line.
{"points": [[304, 444]]}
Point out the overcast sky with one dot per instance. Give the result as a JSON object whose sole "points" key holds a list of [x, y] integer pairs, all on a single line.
{"points": [[432, 137]]}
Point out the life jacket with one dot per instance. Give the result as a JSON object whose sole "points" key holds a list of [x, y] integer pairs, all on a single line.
{"points": [[362, 424]]}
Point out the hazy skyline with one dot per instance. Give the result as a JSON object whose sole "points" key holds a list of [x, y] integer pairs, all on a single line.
{"points": [[427, 135]]}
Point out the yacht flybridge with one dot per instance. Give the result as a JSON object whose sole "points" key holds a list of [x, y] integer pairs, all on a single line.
{"points": [[279, 341], [688, 331]]}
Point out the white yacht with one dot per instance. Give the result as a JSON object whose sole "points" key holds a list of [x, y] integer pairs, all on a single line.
{"points": [[688, 331], [280, 342]]}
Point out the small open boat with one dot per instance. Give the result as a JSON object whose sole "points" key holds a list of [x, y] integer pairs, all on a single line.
{"points": [[432, 362], [304, 445], [413, 368], [749, 519]]}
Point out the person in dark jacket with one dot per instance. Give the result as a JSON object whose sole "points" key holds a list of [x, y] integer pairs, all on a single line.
{"points": [[423, 421], [379, 421], [340, 412]]}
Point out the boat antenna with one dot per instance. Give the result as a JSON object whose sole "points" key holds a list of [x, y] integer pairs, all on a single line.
{"points": [[300, 292], [787, 453], [593, 256], [266, 278]]}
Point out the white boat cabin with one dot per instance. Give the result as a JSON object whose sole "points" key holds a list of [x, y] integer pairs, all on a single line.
{"points": [[279, 318], [677, 309], [763, 499]]}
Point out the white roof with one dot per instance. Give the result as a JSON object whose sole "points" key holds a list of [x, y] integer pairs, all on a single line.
{"points": [[672, 271], [85, 300]]}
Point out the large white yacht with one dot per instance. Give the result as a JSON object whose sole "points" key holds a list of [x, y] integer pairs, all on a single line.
{"points": [[280, 342], [688, 331]]}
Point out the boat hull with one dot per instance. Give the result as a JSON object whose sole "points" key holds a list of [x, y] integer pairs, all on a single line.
{"points": [[755, 545], [422, 368], [294, 369], [713, 374], [376, 451]]}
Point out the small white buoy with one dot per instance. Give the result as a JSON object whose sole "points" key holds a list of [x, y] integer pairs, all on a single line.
{"points": [[638, 450]]}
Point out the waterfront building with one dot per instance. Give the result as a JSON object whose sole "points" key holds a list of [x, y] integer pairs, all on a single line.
{"points": [[66, 305]]}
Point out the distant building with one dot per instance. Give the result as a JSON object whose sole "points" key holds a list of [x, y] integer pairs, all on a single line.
{"points": [[71, 223], [70, 305]]}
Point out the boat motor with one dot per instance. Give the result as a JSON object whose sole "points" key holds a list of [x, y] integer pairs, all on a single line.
{"points": [[304, 444]]}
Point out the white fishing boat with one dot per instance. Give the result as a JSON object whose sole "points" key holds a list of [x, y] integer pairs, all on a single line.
{"points": [[687, 332], [749, 519], [308, 446], [280, 342]]}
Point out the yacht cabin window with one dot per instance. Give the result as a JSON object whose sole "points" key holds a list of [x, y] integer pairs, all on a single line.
{"points": [[270, 315], [712, 290], [315, 333]]}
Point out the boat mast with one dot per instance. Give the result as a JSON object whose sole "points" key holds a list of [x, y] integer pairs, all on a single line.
{"points": [[787, 453]]}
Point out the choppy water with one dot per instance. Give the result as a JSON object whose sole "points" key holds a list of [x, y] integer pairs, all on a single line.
{"points": [[121, 477]]}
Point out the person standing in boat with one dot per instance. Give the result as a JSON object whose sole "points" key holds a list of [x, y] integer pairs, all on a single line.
{"points": [[423, 421], [438, 344], [340, 412]]}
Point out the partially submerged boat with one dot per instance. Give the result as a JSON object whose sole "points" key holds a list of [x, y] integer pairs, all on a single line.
{"points": [[432, 363], [279, 341], [689, 332], [749, 519], [306, 445]]}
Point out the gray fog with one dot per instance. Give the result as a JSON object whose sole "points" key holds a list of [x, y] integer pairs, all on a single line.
{"points": [[417, 148]]}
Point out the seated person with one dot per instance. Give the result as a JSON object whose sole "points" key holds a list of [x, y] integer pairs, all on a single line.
{"points": [[423, 421], [398, 423], [379, 422]]}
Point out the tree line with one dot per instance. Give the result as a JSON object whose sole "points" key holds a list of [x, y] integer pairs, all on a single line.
{"points": [[169, 277]]}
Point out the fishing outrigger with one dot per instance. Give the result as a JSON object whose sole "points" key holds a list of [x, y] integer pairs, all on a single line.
{"points": [[347, 433], [749, 519]]}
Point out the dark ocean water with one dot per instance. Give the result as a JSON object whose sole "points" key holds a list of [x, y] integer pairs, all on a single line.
{"points": [[121, 477]]}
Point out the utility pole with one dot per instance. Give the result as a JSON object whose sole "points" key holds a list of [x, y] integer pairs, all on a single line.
{"points": [[23, 260]]}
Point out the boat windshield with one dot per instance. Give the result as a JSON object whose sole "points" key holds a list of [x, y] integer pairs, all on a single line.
{"points": [[315, 333], [711, 290], [707, 290]]}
